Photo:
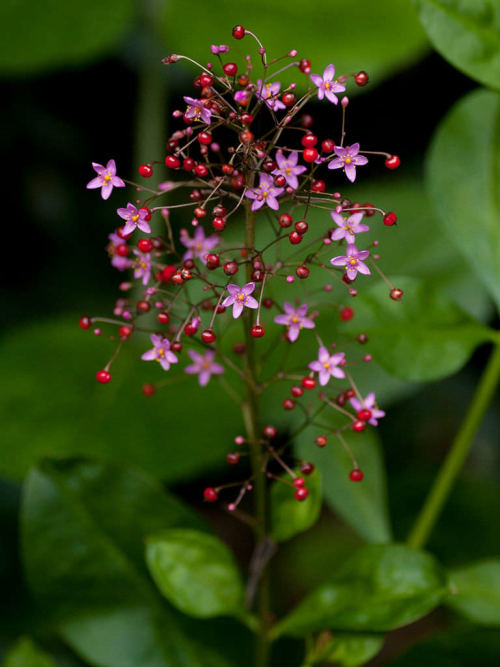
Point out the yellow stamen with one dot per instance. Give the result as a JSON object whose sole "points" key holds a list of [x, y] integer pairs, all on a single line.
{"points": [[241, 297], [348, 160], [107, 178]]}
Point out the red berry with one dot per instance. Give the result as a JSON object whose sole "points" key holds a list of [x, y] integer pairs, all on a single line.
{"points": [[201, 170], [172, 162], [210, 494], [295, 237], [280, 181], [257, 331], [246, 137], [146, 213], [238, 32], [103, 377], [148, 389], [301, 493], [308, 383], [364, 415], [145, 245], [219, 210], [213, 261], [230, 268], [176, 346], [122, 250], [347, 314], [143, 306], [302, 272], [305, 66], [299, 481], [396, 294], [230, 69], [309, 140], [163, 318], [318, 185], [327, 145], [306, 120], [172, 145], [189, 329], [168, 273], [349, 393], [206, 80], [145, 170], [356, 475], [321, 440], [207, 336], [125, 331], [205, 138], [288, 404], [361, 78], [84, 322], [301, 226], [392, 162], [289, 99], [309, 154], [307, 468], [269, 165], [188, 164], [369, 209], [270, 431], [246, 118], [390, 219], [233, 458], [238, 181], [218, 224], [257, 275], [296, 390], [358, 426], [267, 302], [285, 220]]}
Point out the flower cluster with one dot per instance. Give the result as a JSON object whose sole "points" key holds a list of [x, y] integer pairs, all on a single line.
{"points": [[220, 173]]}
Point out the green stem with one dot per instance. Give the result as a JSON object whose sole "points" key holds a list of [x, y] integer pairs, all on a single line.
{"points": [[457, 454], [251, 417]]}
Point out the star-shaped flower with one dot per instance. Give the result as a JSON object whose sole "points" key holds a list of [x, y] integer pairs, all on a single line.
{"points": [[348, 159], [240, 297], [204, 365], [352, 261], [135, 218], [198, 246], [370, 404], [197, 111], [269, 93], [327, 86], [106, 179], [295, 319], [287, 167], [160, 352], [347, 228], [266, 193], [327, 365]]}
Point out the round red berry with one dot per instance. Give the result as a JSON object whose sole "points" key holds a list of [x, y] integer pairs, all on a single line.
{"points": [[233, 458], [309, 154], [246, 118], [145, 245], [207, 336], [122, 250], [205, 138], [257, 331], [361, 78], [176, 346], [280, 181], [296, 390], [308, 383], [289, 99], [238, 32], [305, 66], [218, 224], [396, 294], [288, 404], [392, 162], [206, 80], [390, 219], [285, 220], [269, 165], [201, 170], [364, 415], [295, 237], [212, 260], [369, 209], [358, 426], [172, 162], [188, 164], [327, 145], [230, 69], [299, 481], [163, 318], [210, 494], [246, 137], [146, 170], [356, 475], [301, 493], [230, 268], [146, 213], [148, 389], [309, 140], [347, 314], [270, 431], [143, 306], [307, 468], [103, 377], [349, 393], [318, 185], [85, 322], [302, 272], [125, 331], [321, 441], [301, 226]]}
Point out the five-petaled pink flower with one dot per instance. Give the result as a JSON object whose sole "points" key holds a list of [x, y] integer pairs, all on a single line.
{"points": [[327, 86], [348, 159], [269, 93], [204, 365], [160, 352], [327, 365], [136, 218], [370, 404], [266, 193], [352, 261], [107, 179], [198, 246], [197, 111], [287, 167], [142, 266], [239, 297], [295, 319], [347, 228]]}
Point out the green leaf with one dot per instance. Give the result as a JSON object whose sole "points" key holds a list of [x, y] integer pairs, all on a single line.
{"points": [[83, 530], [381, 587], [196, 572], [363, 505], [352, 649], [25, 653], [476, 592], [423, 337], [290, 516], [363, 40], [39, 35], [467, 33], [463, 180]]}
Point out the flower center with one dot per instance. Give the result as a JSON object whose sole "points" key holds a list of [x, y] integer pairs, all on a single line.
{"points": [[265, 193], [107, 178], [135, 218], [328, 85], [326, 365], [348, 160], [295, 319], [353, 261], [160, 352], [241, 297], [288, 171]]}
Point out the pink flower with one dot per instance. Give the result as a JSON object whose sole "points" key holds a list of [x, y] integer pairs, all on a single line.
{"points": [[287, 167], [269, 92], [327, 86], [239, 297], [295, 319], [266, 193], [326, 365], [347, 228], [242, 97], [352, 261], [198, 246], [349, 159], [107, 179], [160, 352], [204, 366], [142, 266], [136, 218], [196, 111], [370, 404]]}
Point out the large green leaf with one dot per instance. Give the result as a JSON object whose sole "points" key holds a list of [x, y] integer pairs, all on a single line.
{"points": [[196, 572], [25, 653], [37, 35], [363, 505], [381, 587], [463, 179], [476, 592], [351, 649], [467, 33], [83, 531], [423, 337], [290, 516]]}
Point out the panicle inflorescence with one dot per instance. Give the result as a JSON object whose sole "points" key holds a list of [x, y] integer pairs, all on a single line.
{"points": [[245, 145]]}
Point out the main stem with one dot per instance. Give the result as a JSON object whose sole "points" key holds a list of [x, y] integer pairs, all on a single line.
{"points": [[251, 417], [457, 454]]}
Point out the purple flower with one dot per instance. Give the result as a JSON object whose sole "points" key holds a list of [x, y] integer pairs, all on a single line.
{"points": [[242, 97], [160, 352], [327, 86], [266, 193], [368, 403], [326, 365], [347, 228], [287, 167], [135, 218], [196, 110], [142, 266], [349, 159], [269, 92], [107, 179], [295, 319], [352, 261], [239, 297], [204, 366], [198, 246]]}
